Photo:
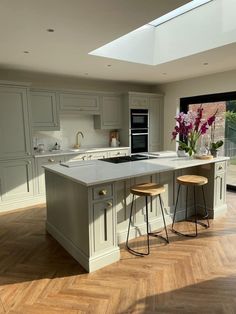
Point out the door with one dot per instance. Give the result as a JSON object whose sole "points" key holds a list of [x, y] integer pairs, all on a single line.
{"points": [[14, 123]]}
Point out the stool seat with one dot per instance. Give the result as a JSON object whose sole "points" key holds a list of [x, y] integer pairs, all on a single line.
{"points": [[192, 180], [147, 189]]}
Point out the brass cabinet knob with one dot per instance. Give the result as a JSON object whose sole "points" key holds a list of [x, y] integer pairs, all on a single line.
{"points": [[220, 168], [102, 192], [118, 153], [109, 204], [51, 160]]}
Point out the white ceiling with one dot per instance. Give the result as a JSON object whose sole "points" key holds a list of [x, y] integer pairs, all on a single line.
{"points": [[84, 25]]}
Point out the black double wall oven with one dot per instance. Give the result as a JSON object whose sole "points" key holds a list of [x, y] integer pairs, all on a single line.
{"points": [[139, 131]]}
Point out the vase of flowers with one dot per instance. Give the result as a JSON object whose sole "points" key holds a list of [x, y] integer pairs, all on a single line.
{"points": [[190, 127]]}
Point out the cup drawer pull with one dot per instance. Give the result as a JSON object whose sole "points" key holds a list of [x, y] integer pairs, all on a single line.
{"points": [[102, 192]]}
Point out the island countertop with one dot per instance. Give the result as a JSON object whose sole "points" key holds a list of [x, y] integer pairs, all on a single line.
{"points": [[95, 172]]}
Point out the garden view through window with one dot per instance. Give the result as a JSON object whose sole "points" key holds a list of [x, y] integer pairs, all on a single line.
{"points": [[223, 129]]}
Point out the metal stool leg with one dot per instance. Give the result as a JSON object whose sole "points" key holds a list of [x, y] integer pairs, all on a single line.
{"points": [[206, 211], [147, 225], [195, 209], [186, 202], [175, 208], [167, 239], [130, 217], [127, 239]]}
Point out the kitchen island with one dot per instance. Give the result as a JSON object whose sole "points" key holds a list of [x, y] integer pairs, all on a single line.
{"points": [[88, 202]]}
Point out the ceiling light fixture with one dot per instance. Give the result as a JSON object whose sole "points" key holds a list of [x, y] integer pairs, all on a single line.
{"points": [[205, 63], [26, 51], [177, 12], [50, 30], [109, 65]]}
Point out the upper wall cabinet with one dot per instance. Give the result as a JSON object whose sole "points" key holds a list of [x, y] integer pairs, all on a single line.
{"points": [[14, 122], [110, 113], [139, 101], [44, 111], [80, 102]]}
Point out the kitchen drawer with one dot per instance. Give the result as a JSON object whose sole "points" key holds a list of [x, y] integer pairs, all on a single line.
{"points": [[43, 161], [102, 191], [117, 153], [76, 157], [98, 155], [220, 167]]}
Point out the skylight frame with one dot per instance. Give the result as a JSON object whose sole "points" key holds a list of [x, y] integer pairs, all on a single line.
{"points": [[177, 12]]}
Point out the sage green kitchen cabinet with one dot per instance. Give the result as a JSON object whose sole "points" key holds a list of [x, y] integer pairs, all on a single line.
{"points": [[220, 185], [43, 161], [154, 104], [79, 102], [16, 179], [111, 113], [76, 157], [97, 155], [118, 152], [155, 123], [14, 122], [44, 109]]}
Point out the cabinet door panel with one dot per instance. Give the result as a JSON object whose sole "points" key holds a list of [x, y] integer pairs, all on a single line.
{"points": [[79, 102], [155, 130], [14, 123], [102, 226], [44, 111], [220, 189], [111, 111], [16, 179], [139, 101]]}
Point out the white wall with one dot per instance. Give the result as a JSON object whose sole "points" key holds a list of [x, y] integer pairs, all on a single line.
{"points": [[43, 80], [210, 84]]}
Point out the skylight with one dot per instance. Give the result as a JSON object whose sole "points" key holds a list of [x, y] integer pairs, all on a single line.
{"points": [[198, 26], [177, 12]]}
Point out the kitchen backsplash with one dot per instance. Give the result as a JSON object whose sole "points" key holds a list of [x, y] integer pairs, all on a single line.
{"points": [[66, 137]]}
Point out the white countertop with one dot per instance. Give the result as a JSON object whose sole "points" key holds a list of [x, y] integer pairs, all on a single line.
{"points": [[77, 151], [95, 172]]}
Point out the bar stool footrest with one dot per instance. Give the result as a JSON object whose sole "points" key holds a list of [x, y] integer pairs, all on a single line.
{"points": [[189, 235], [157, 235]]}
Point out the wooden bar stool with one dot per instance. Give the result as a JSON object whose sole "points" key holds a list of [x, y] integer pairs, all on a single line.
{"points": [[191, 180], [147, 189]]}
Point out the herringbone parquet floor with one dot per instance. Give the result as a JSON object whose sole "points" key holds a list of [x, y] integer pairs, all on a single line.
{"points": [[190, 275]]}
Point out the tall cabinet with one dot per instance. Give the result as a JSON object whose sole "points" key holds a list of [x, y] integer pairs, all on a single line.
{"points": [[16, 168], [154, 104]]}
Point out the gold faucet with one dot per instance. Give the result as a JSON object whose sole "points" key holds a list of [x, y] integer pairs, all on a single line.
{"points": [[77, 145]]}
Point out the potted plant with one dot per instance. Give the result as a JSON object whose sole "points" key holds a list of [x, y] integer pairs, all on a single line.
{"points": [[214, 148]]}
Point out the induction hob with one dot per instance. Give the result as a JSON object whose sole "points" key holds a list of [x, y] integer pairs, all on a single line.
{"points": [[121, 159]]}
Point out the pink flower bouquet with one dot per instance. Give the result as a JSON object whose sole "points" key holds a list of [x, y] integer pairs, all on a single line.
{"points": [[190, 127]]}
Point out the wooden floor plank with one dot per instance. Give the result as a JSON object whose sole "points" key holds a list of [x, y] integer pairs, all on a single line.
{"points": [[190, 275]]}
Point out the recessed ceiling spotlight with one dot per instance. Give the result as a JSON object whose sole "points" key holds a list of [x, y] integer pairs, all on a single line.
{"points": [[109, 65], [164, 73], [50, 30], [26, 51], [205, 63]]}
